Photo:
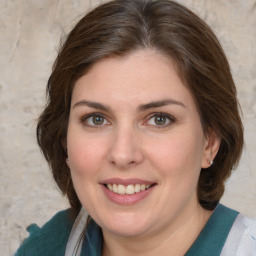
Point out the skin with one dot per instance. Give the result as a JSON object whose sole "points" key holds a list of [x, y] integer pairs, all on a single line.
{"points": [[129, 142]]}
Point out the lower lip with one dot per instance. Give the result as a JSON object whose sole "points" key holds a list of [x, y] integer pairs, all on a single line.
{"points": [[126, 199]]}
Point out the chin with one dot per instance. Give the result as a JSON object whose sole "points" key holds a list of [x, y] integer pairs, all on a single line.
{"points": [[124, 231], [126, 226]]}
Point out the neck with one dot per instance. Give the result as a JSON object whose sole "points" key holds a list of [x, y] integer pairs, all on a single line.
{"points": [[174, 239]]}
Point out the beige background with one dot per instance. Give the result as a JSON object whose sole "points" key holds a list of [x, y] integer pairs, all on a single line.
{"points": [[29, 37]]}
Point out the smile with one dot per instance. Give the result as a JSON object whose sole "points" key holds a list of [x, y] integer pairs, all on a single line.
{"points": [[127, 190]]}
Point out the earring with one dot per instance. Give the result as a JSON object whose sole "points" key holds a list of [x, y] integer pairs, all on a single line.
{"points": [[210, 162], [67, 161]]}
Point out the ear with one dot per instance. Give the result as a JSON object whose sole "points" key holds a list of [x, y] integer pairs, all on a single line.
{"points": [[211, 147], [67, 161], [64, 145]]}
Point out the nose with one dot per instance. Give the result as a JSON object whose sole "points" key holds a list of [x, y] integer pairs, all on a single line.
{"points": [[125, 151]]}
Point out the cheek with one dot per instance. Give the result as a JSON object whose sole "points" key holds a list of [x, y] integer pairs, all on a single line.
{"points": [[178, 155], [85, 154]]}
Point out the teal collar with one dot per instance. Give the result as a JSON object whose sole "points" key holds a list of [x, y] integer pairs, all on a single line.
{"points": [[214, 234], [93, 240], [209, 242]]}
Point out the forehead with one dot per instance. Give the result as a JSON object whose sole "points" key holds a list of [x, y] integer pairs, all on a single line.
{"points": [[143, 75]]}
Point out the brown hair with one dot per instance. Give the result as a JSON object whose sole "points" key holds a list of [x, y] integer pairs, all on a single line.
{"points": [[119, 27]]}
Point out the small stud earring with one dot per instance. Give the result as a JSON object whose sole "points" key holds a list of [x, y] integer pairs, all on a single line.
{"points": [[211, 162]]}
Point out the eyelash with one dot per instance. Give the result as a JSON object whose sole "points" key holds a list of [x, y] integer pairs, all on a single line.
{"points": [[84, 120], [170, 119]]}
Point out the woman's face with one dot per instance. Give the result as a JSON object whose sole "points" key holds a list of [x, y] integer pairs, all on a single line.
{"points": [[136, 144]]}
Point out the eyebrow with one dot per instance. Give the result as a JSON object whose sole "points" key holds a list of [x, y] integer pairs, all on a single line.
{"points": [[92, 104], [141, 108], [160, 103]]}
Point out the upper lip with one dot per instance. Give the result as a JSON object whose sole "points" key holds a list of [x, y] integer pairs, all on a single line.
{"points": [[126, 182]]}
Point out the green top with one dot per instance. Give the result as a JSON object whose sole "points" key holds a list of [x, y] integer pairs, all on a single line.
{"points": [[214, 234], [52, 238]]}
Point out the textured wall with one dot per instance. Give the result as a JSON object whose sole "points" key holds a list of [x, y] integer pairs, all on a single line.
{"points": [[30, 33]]}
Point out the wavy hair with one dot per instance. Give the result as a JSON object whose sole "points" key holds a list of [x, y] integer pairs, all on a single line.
{"points": [[120, 27]]}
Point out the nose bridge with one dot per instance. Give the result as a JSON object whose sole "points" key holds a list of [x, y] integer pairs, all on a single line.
{"points": [[125, 150]]}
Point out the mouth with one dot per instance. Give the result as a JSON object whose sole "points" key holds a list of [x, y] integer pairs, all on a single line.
{"points": [[127, 191], [130, 189]]}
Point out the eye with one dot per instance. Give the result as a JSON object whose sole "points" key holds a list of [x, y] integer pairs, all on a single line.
{"points": [[160, 120], [94, 120]]}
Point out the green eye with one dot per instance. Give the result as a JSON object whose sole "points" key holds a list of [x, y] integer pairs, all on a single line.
{"points": [[160, 120], [98, 120], [94, 120]]}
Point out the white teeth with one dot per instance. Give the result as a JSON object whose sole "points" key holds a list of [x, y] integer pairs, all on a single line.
{"points": [[121, 189], [137, 188], [128, 190], [115, 188], [110, 187]]}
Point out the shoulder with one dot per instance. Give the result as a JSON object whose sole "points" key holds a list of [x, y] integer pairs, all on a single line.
{"points": [[51, 239], [241, 240], [250, 223]]}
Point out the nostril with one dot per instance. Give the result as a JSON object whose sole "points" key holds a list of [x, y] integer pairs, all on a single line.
{"points": [[127, 164]]}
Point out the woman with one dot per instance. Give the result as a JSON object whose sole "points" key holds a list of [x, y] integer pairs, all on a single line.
{"points": [[141, 130]]}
